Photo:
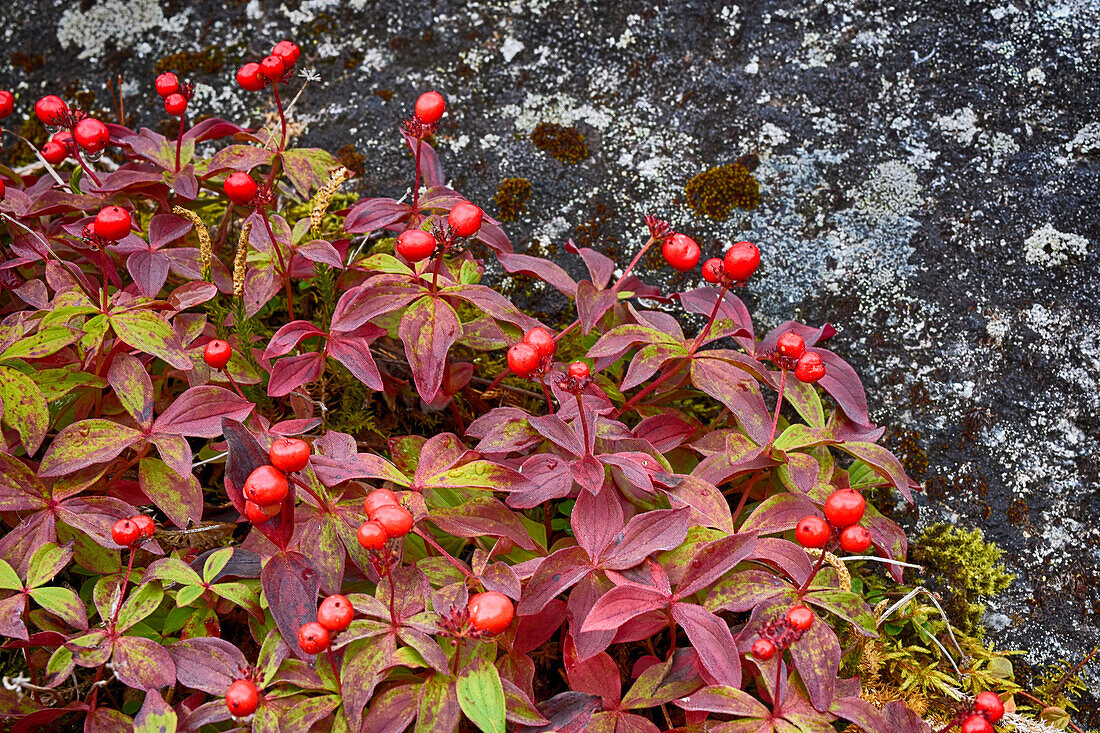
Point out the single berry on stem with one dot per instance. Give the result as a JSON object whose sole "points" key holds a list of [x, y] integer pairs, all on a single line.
{"points": [[464, 219], [800, 617], [125, 532], [167, 83], [372, 535], [54, 152], [112, 223], [713, 270], [250, 78], [265, 486], [763, 649], [394, 518], [490, 612], [7, 104], [579, 370], [855, 539], [845, 507], [335, 613], [217, 354], [681, 252], [91, 134], [741, 260], [430, 107], [288, 51], [175, 104], [313, 638], [810, 368], [976, 724], [989, 705], [791, 345], [146, 526], [50, 110], [242, 698], [415, 245], [542, 340], [523, 359], [260, 514], [379, 498], [812, 531], [240, 188], [289, 454]]}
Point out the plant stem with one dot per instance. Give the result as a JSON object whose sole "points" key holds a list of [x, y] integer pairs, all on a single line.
{"points": [[778, 405], [633, 263], [458, 653], [710, 321], [671, 636], [335, 670], [284, 270], [393, 592], [584, 425], [416, 181], [282, 115], [778, 680], [546, 393], [233, 382], [810, 579], [86, 168], [301, 484], [547, 516], [179, 139], [741, 502]]}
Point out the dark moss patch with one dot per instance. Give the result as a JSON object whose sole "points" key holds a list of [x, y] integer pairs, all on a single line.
{"points": [[718, 191], [566, 144], [28, 62], [385, 94], [512, 197], [209, 60], [351, 159], [906, 445]]}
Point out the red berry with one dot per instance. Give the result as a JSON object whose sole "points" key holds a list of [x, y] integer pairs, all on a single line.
{"points": [[266, 485], [415, 245], [273, 67], [241, 698], [741, 261], [112, 223], [3, 190], [175, 104], [812, 531], [125, 532], [763, 649], [579, 370], [465, 219], [800, 617], [712, 270], [313, 638], [989, 706], [490, 612], [91, 134], [167, 83], [809, 368], [50, 109], [791, 345], [430, 106], [289, 454], [288, 51], [681, 252], [249, 77], [394, 518], [217, 353], [239, 187], [844, 507], [7, 104], [855, 539], [146, 526], [372, 535], [335, 613], [523, 359], [542, 340], [976, 724], [54, 153], [260, 514], [379, 498]]}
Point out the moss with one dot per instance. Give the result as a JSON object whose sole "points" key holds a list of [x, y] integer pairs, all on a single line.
{"points": [[968, 565], [566, 144], [209, 60], [511, 198], [17, 154], [351, 159], [385, 94], [717, 191], [1017, 512], [905, 444], [27, 62]]}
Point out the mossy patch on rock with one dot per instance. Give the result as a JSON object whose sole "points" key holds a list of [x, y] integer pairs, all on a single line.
{"points": [[566, 144], [512, 197], [209, 60], [716, 192]]}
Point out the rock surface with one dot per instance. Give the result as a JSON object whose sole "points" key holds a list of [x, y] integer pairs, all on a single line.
{"points": [[929, 174]]}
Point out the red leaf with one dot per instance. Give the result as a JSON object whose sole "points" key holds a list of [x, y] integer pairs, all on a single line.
{"points": [[715, 560], [208, 664], [290, 583], [370, 215], [711, 638], [568, 712], [597, 519], [600, 266], [592, 304], [843, 385], [199, 411], [817, 657], [352, 349], [544, 270], [428, 329], [556, 574], [289, 336], [620, 604], [647, 533], [133, 387], [142, 663], [291, 372], [598, 675]]}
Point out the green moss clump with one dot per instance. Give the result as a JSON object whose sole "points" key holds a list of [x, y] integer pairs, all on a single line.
{"points": [[968, 565], [566, 144], [717, 191], [512, 197], [210, 60]]}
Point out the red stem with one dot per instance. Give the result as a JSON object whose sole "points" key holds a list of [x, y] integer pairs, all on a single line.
{"points": [[284, 270], [710, 321], [301, 484], [122, 592], [233, 382], [416, 183], [282, 115], [584, 425], [778, 405], [84, 166], [546, 393], [179, 139], [778, 680], [816, 570], [393, 592], [335, 670], [431, 541]]}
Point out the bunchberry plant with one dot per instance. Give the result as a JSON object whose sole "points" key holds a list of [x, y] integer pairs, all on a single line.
{"points": [[191, 541]]}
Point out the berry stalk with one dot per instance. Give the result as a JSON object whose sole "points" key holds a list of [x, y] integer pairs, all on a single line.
{"points": [[778, 405], [179, 139], [85, 167], [284, 271]]}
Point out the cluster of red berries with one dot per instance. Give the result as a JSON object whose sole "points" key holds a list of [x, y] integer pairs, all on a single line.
{"points": [[242, 698], [72, 130], [843, 509], [111, 224], [417, 244], [738, 265], [987, 710], [386, 519], [535, 353], [253, 76], [779, 633], [267, 486], [790, 353], [334, 615], [175, 95], [133, 531]]}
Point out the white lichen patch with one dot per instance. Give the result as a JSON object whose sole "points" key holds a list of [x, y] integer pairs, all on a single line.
{"points": [[1051, 248], [1086, 141], [960, 126], [122, 22], [892, 191]]}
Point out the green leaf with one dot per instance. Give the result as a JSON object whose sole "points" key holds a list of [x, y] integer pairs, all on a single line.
{"points": [[384, 262], [9, 579], [242, 595], [186, 595], [140, 604], [25, 409], [46, 562], [801, 436], [87, 443], [88, 553], [149, 333], [308, 168], [155, 716], [62, 602], [481, 696], [47, 341], [56, 383], [173, 570], [59, 667], [215, 563], [94, 332], [271, 655], [849, 606], [438, 706], [180, 497]]}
